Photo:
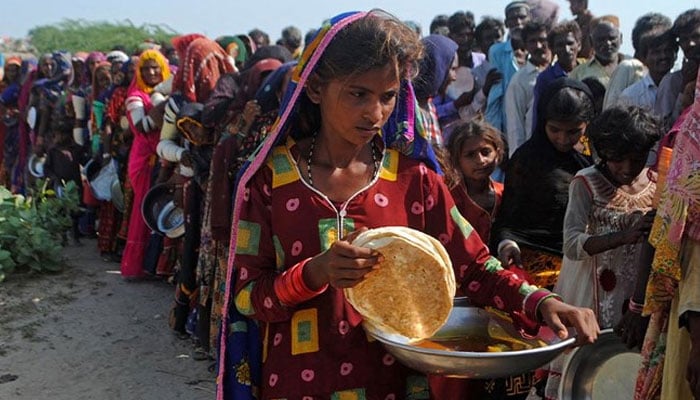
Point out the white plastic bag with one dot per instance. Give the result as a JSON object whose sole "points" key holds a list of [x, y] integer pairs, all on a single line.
{"points": [[101, 185]]}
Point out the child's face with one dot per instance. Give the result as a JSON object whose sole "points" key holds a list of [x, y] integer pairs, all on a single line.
{"points": [[478, 158], [451, 74], [354, 109], [564, 134], [625, 170]]}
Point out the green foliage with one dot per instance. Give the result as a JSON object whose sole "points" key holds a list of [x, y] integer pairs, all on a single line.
{"points": [[79, 35], [31, 228]]}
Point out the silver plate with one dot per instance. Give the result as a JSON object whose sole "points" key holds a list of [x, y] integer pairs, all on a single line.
{"points": [[606, 370], [465, 321]]}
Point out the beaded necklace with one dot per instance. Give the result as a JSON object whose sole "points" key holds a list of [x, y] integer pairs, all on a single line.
{"points": [[375, 161]]}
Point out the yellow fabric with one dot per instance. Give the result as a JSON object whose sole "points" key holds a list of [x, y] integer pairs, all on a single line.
{"points": [[675, 385], [162, 63]]}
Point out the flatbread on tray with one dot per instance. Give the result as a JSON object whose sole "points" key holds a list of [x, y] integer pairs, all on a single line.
{"points": [[412, 291]]}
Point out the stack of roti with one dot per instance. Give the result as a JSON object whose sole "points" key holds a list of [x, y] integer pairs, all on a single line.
{"points": [[411, 292]]}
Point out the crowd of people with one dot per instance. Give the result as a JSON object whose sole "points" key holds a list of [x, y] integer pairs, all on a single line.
{"points": [[529, 138]]}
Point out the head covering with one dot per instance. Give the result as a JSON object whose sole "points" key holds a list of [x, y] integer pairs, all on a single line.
{"points": [[440, 52], [202, 64], [99, 93], [234, 45], [96, 56], [80, 56], [252, 77], [117, 56], [266, 96], [539, 135], [14, 60], [401, 132], [279, 53], [517, 4], [159, 58], [180, 43]]}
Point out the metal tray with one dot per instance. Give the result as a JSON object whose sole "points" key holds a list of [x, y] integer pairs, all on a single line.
{"points": [[604, 370]]}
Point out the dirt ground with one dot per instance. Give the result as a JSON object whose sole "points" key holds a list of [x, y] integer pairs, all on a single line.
{"points": [[85, 333]]}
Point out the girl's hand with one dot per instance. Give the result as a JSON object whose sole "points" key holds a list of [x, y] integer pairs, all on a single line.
{"points": [[640, 231], [510, 255], [631, 329], [342, 265], [558, 315]]}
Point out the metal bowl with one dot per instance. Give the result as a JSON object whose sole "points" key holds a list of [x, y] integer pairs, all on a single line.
{"points": [[607, 369], [472, 321]]}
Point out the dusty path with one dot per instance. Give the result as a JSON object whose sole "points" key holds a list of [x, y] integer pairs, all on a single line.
{"points": [[87, 334]]}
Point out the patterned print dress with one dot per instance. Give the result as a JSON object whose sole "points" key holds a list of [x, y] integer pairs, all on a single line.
{"points": [[318, 349]]}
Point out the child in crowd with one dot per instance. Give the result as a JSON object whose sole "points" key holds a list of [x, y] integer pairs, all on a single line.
{"points": [[63, 160], [528, 230], [475, 149], [327, 168], [607, 221]]}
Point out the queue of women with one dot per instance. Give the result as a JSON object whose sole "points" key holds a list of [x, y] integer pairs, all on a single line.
{"points": [[573, 164]]}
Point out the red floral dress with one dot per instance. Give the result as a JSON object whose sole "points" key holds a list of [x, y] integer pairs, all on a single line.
{"points": [[318, 349]]}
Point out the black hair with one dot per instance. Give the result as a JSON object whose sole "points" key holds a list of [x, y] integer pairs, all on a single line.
{"points": [[645, 24], [486, 24], [291, 36], [686, 22], [460, 20], [597, 90], [257, 33], [568, 104], [656, 38], [438, 22], [464, 130], [531, 28], [373, 41], [563, 29], [619, 131], [309, 37]]}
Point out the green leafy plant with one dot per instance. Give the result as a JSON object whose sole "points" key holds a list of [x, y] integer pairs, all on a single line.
{"points": [[32, 227]]}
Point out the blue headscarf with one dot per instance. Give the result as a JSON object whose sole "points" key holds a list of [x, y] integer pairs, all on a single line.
{"points": [[440, 52], [266, 96]]}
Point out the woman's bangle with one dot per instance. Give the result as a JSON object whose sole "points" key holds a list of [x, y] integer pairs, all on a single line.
{"points": [[635, 307], [533, 301]]}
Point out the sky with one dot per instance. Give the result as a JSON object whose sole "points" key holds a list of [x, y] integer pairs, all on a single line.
{"points": [[219, 17]]}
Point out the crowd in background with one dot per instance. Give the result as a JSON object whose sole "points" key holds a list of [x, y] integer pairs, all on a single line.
{"points": [[550, 140]]}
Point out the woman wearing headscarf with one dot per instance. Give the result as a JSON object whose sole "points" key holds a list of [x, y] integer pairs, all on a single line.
{"points": [[234, 147], [119, 140], [108, 215], [201, 66], [528, 230], [46, 94], [673, 294], [151, 69], [9, 94], [435, 73], [233, 90], [276, 194]]}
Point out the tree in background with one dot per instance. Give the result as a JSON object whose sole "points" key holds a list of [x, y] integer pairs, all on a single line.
{"points": [[80, 35]]}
